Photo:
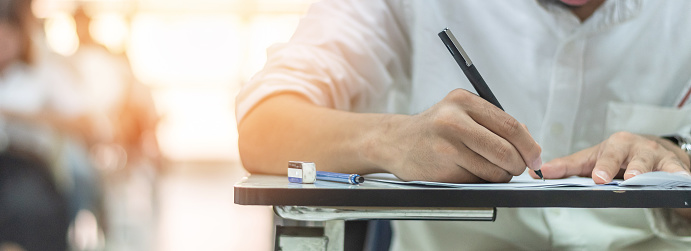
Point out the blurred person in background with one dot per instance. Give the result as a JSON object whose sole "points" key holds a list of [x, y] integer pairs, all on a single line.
{"points": [[124, 147], [45, 173], [124, 107]]}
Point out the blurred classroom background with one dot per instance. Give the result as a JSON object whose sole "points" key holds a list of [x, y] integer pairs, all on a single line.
{"points": [[174, 190]]}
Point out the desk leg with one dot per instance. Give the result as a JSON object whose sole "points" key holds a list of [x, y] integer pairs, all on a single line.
{"points": [[354, 235], [334, 230], [341, 235]]}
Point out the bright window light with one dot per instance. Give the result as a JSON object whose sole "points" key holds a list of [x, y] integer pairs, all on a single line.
{"points": [[61, 34], [110, 30]]}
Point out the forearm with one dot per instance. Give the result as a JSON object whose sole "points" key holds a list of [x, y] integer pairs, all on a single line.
{"points": [[287, 127]]}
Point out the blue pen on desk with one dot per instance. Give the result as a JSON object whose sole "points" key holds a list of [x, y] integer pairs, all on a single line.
{"points": [[340, 177], [470, 71]]}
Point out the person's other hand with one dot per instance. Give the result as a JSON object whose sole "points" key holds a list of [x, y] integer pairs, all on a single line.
{"points": [[463, 138], [623, 153]]}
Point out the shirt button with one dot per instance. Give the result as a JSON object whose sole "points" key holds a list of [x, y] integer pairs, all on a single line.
{"points": [[557, 129]]}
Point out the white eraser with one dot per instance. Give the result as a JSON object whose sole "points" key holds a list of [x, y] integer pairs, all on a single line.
{"points": [[302, 172], [309, 172]]}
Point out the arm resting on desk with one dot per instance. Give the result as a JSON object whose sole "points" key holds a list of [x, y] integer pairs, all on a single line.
{"points": [[450, 142], [288, 127]]}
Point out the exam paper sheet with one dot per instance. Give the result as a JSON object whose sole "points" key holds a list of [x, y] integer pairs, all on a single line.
{"points": [[650, 180]]}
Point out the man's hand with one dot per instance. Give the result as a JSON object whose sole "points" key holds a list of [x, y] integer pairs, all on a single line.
{"points": [[463, 138], [622, 153]]}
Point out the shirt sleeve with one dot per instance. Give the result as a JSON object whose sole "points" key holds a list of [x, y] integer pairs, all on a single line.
{"points": [[343, 55]]}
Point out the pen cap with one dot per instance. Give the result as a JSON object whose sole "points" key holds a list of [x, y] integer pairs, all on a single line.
{"points": [[463, 61]]}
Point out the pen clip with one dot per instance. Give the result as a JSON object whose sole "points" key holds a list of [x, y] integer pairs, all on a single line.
{"points": [[453, 40]]}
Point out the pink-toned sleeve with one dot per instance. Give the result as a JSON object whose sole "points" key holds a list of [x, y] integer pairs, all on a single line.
{"points": [[344, 55]]}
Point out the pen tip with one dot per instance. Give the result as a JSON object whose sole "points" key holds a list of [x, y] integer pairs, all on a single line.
{"points": [[539, 174]]}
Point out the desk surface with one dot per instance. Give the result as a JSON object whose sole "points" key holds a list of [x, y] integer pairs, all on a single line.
{"points": [[277, 191]]}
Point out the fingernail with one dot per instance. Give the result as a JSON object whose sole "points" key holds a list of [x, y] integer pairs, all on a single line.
{"points": [[536, 164], [633, 172], [603, 175]]}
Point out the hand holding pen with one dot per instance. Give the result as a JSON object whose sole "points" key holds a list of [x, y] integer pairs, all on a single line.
{"points": [[513, 132], [460, 139]]}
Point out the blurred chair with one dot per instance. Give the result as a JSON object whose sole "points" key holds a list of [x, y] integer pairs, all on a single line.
{"points": [[34, 213]]}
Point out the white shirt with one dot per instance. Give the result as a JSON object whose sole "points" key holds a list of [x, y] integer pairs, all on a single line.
{"points": [[625, 68]]}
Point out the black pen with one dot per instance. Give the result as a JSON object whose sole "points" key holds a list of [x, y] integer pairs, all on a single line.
{"points": [[470, 71]]}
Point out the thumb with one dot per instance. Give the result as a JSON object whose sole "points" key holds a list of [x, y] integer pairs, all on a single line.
{"points": [[580, 163]]}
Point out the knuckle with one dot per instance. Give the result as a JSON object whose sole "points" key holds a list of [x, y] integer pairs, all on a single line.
{"points": [[651, 144], [443, 119], [511, 126], [458, 95], [623, 136], [502, 154]]}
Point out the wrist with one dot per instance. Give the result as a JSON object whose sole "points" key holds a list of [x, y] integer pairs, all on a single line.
{"points": [[381, 146], [680, 145]]}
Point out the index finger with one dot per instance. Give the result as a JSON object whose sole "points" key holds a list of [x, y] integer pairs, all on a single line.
{"points": [[507, 127]]}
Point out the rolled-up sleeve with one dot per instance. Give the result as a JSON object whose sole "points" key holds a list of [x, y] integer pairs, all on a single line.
{"points": [[344, 55]]}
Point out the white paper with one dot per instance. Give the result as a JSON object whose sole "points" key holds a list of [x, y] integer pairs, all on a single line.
{"points": [[659, 179], [650, 180]]}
